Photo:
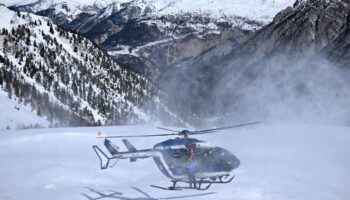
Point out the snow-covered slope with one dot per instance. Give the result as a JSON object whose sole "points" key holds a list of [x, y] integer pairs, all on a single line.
{"points": [[16, 116], [303, 162]]}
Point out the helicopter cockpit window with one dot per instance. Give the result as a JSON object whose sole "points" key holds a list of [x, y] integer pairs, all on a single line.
{"points": [[179, 153]]}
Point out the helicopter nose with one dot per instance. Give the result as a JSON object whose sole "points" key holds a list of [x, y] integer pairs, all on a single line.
{"points": [[235, 162]]}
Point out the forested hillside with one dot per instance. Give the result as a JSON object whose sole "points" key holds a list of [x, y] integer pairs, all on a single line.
{"points": [[68, 79]]}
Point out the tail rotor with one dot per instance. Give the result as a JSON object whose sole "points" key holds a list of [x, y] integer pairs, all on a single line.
{"points": [[104, 159]]}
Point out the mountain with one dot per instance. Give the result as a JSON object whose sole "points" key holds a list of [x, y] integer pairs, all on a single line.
{"points": [[44, 4], [295, 68], [150, 35], [212, 67], [68, 80], [258, 10], [164, 39], [60, 11]]}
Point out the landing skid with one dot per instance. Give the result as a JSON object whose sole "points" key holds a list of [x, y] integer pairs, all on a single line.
{"points": [[201, 184]]}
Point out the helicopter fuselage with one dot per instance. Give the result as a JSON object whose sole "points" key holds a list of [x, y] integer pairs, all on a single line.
{"points": [[180, 158]]}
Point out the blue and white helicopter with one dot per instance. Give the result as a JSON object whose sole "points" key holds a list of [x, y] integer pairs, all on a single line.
{"points": [[183, 159]]}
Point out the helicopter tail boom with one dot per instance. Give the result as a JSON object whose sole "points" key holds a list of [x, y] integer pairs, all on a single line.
{"points": [[133, 154]]}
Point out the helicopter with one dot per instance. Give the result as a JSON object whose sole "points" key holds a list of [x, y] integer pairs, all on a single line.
{"points": [[184, 160]]}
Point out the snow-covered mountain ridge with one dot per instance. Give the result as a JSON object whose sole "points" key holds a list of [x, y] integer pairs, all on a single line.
{"points": [[258, 10], [48, 3], [69, 9]]}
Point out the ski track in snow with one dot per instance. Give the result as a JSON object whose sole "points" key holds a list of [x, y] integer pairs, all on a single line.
{"points": [[277, 162]]}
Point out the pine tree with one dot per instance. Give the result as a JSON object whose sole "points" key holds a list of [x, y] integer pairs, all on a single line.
{"points": [[9, 90], [51, 30], [1, 78], [5, 42], [28, 41]]}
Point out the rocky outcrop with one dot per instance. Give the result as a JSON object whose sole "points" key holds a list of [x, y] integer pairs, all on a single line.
{"points": [[313, 25]]}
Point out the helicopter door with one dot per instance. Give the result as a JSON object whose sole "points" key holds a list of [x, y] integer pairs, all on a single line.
{"points": [[191, 151]]}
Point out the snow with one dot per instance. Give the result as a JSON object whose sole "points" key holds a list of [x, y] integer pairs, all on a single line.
{"points": [[103, 3], [259, 10], [16, 116], [124, 50], [108, 11], [7, 16], [69, 8], [308, 162]]}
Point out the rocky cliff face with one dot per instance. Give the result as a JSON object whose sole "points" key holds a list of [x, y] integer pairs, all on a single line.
{"points": [[309, 25]]}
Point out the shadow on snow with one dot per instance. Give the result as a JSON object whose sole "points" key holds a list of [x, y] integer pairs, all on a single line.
{"points": [[110, 194]]}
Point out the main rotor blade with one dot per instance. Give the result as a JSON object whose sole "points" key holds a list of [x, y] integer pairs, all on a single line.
{"points": [[222, 128], [206, 131], [198, 132], [134, 136], [167, 129]]}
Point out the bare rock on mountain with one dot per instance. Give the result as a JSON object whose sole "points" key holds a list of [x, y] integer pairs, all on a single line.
{"points": [[309, 25]]}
